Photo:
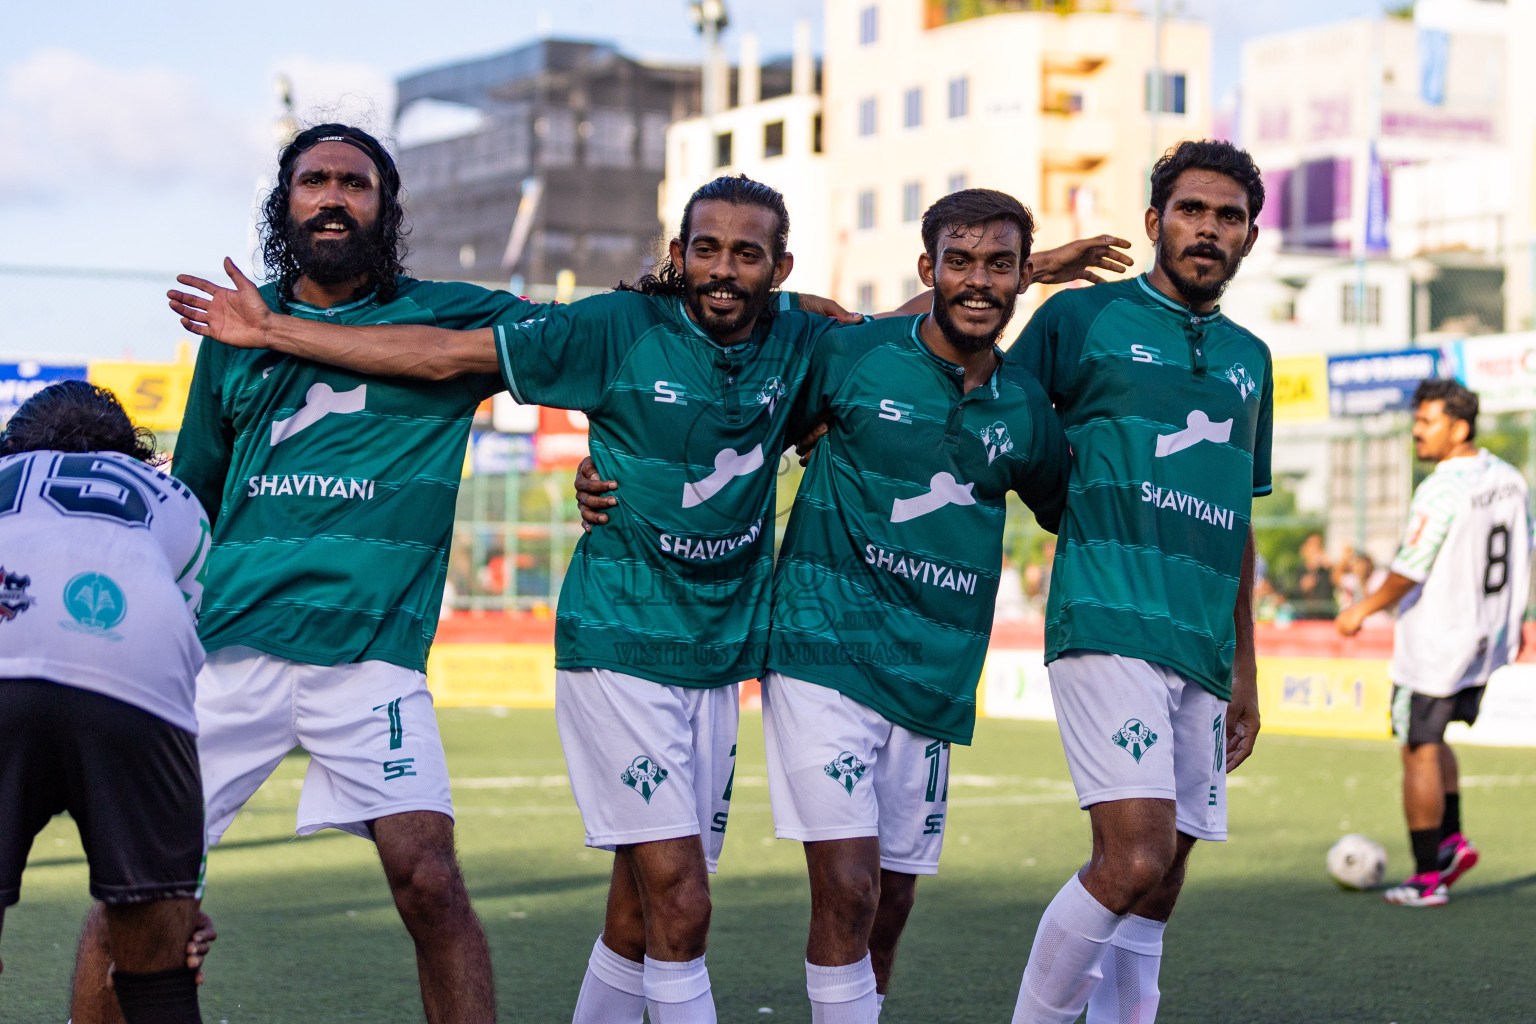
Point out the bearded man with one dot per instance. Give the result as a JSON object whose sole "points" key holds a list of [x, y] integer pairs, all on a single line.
{"points": [[331, 496]]}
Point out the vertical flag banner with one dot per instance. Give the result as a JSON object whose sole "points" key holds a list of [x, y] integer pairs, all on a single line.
{"points": [[1434, 49]]}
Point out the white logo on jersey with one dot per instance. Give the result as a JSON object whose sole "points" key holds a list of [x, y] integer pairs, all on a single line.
{"points": [[670, 393], [1237, 375], [896, 412], [772, 391], [1200, 428], [319, 401], [1145, 354], [943, 490], [728, 466], [996, 439]]}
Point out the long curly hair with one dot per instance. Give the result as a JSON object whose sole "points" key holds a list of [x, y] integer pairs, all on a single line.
{"points": [[739, 190], [74, 416], [389, 257]]}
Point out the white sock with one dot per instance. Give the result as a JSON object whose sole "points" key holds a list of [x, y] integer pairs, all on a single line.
{"points": [[844, 994], [1128, 994], [613, 992], [678, 992], [879, 1004], [1064, 960]]}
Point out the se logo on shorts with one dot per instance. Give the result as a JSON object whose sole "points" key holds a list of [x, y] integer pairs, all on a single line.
{"points": [[1134, 738]]}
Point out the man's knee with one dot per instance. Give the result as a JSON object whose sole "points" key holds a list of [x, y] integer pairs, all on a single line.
{"points": [[430, 885]]}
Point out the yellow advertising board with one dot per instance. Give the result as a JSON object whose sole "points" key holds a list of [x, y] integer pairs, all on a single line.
{"points": [[481, 675], [1325, 697], [1301, 388], [155, 394]]}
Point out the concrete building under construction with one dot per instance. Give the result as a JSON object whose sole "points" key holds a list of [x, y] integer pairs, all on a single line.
{"points": [[558, 173]]}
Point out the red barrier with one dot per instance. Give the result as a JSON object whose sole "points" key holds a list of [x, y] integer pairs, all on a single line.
{"points": [[1302, 639]]}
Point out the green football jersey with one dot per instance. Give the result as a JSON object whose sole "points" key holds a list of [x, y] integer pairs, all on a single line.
{"points": [[331, 492], [1169, 415], [675, 587], [888, 573]]}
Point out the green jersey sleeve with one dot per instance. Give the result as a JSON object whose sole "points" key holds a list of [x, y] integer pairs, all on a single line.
{"points": [[205, 443], [1041, 479], [568, 357], [835, 353], [1050, 347], [1263, 441]]}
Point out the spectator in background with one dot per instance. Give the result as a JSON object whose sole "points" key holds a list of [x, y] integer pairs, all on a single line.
{"points": [[1354, 576], [1311, 595]]}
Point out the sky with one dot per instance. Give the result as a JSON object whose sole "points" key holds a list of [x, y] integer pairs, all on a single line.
{"points": [[133, 135]]}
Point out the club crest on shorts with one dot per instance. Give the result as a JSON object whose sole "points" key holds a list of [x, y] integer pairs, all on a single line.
{"points": [[14, 598], [846, 770], [644, 776], [1134, 738]]}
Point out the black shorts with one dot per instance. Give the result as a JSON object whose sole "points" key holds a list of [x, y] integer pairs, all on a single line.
{"points": [[129, 779], [1418, 718]]}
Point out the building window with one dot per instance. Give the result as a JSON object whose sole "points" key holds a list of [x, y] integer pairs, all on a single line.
{"points": [[957, 181], [723, 149], [773, 139], [959, 97], [869, 25], [868, 114], [912, 201], [1172, 93], [653, 140], [867, 297], [610, 137], [910, 287], [866, 209], [1372, 304], [556, 132], [913, 108], [816, 134]]}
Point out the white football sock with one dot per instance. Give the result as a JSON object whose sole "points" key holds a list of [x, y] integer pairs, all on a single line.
{"points": [[1129, 994], [613, 992], [678, 992], [844, 994], [1064, 960], [879, 1004]]}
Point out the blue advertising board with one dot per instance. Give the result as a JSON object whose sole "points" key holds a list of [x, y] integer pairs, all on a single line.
{"points": [[1378, 382], [20, 381]]}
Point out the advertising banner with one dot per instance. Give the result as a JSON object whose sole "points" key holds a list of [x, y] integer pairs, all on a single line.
{"points": [[155, 394], [1378, 382], [1301, 388], [20, 381], [1501, 368]]}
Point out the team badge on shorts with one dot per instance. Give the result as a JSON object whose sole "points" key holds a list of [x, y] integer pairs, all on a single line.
{"points": [[644, 776], [1134, 738], [846, 770], [14, 598]]}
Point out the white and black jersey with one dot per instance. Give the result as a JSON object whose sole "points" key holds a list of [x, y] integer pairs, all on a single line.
{"points": [[1468, 545], [101, 576]]}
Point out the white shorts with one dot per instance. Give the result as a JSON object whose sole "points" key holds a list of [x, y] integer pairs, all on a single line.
{"points": [[648, 761], [368, 727], [840, 770], [1134, 729]]}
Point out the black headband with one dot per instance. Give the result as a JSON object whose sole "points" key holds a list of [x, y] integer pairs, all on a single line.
{"points": [[381, 162]]}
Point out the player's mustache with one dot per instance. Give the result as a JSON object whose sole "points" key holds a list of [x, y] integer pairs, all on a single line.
{"points": [[1207, 250], [321, 220]]}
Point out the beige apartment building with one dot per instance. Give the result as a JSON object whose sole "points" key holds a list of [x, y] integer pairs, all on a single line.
{"points": [[923, 97], [1045, 99]]}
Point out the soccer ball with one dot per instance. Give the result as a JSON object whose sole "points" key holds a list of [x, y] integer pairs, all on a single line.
{"points": [[1356, 862]]}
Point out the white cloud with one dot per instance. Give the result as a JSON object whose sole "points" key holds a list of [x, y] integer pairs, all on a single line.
{"points": [[69, 123]]}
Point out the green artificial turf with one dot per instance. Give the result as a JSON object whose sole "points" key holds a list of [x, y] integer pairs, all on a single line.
{"points": [[307, 930]]}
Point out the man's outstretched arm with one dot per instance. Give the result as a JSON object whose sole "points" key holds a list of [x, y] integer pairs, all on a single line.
{"points": [[1392, 590], [240, 317]]}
